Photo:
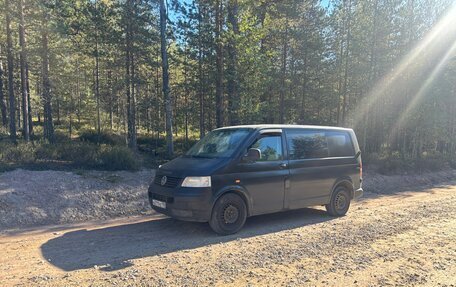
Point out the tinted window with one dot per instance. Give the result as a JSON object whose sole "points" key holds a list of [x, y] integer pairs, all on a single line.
{"points": [[307, 144], [339, 144], [270, 147]]}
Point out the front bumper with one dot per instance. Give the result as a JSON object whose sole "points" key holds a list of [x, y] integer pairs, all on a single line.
{"points": [[184, 203], [358, 193]]}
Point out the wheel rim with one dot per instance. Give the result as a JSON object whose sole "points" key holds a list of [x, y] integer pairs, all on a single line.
{"points": [[230, 214], [341, 202]]}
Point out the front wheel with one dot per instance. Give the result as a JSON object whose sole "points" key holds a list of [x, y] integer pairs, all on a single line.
{"points": [[229, 214], [340, 202]]}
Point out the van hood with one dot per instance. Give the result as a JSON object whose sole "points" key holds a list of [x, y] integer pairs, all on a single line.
{"points": [[192, 166]]}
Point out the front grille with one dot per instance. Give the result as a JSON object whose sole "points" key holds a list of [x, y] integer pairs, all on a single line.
{"points": [[171, 181], [163, 198]]}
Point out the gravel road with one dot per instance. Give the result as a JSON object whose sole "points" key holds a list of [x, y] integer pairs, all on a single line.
{"points": [[404, 238]]}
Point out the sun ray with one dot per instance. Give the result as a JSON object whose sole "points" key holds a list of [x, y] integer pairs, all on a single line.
{"points": [[424, 88], [439, 38]]}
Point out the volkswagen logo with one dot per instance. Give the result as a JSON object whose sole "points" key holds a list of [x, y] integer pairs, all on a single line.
{"points": [[163, 180]]}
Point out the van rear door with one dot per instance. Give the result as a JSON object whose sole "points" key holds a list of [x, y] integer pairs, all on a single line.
{"points": [[317, 158]]}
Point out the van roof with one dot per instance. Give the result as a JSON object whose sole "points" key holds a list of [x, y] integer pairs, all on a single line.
{"points": [[278, 126]]}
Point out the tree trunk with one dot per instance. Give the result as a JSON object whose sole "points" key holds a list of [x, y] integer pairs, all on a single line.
{"points": [[2, 96], [29, 108], [48, 126], [341, 41], [97, 85], [18, 102], [219, 62], [166, 92], [186, 95], [233, 80], [304, 84], [70, 115], [24, 80], [200, 79], [111, 101], [130, 77], [284, 74], [38, 92], [78, 93], [347, 49], [127, 68], [158, 105], [371, 78], [12, 100], [132, 104], [57, 102]]}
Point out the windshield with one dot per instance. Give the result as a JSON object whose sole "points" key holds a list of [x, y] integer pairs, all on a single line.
{"points": [[219, 143]]}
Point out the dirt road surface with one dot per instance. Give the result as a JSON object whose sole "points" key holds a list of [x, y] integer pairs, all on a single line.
{"points": [[408, 238]]}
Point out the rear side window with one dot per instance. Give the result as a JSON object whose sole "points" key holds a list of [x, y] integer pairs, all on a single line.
{"points": [[339, 144], [307, 144]]}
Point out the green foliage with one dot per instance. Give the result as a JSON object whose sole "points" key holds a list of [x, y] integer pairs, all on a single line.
{"points": [[67, 154], [395, 163], [118, 158], [92, 136], [11, 153]]}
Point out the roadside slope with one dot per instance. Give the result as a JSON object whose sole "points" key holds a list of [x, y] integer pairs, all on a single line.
{"points": [[33, 198]]}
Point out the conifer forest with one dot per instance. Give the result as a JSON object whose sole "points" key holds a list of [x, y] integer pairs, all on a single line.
{"points": [[103, 82]]}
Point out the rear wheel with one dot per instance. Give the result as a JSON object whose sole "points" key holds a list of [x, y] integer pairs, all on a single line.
{"points": [[340, 202], [229, 214]]}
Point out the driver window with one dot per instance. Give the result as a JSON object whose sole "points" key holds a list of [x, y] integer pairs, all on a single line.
{"points": [[270, 147]]}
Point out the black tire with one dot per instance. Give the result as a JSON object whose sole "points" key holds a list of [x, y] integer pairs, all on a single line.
{"points": [[340, 202], [229, 214]]}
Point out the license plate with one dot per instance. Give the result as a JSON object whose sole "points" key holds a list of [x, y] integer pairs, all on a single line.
{"points": [[158, 203]]}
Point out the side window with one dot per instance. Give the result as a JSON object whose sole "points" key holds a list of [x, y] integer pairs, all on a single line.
{"points": [[307, 144], [339, 144], [270, 147]]}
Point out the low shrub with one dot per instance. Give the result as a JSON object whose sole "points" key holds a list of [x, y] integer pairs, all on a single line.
{"points": [[60, 136], [79, 154], [46, 152], [394, 163], [118, 158], [432, 161], [67, 155], [3, 133], [393, 166], [11, 153], [151, 141], [92, 136]]}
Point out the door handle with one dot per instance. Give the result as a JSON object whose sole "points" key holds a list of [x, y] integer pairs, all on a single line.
{"points": [[283, 165]]}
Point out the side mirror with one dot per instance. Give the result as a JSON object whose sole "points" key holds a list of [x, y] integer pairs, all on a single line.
{"points": [[253, 154]]}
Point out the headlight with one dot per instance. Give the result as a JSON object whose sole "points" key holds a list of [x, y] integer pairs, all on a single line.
{"points": [[197, 181]]}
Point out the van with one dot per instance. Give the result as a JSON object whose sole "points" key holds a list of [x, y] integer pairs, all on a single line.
{"points": [[240, 171]]}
